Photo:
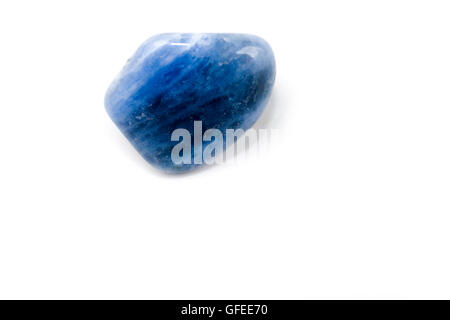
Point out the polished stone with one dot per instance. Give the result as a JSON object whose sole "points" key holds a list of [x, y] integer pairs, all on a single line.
{"points": [[223, 80]]}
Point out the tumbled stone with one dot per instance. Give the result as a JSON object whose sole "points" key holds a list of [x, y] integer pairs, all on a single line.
{"points": [[223, 80]]}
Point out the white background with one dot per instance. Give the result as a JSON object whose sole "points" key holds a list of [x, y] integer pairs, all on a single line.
{"points": [[352, 202]]}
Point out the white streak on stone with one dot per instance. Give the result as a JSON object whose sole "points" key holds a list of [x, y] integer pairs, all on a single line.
{"points": [[252, 51]]}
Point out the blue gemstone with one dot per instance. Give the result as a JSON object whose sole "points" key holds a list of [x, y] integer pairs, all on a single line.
{"points": [[223, 80]]}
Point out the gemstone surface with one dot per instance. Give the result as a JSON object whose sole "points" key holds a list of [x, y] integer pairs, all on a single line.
{"points": [[223, 80]]}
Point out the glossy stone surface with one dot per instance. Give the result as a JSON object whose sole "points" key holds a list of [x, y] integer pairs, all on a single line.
{"points": [[223, 80]]}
